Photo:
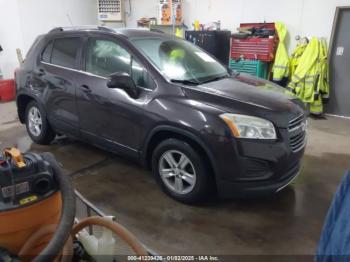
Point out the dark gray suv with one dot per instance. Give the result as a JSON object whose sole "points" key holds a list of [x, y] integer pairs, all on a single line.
{"points": [[166, 103]]}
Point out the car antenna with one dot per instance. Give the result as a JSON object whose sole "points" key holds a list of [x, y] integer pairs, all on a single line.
{"points": [[69, 19]]}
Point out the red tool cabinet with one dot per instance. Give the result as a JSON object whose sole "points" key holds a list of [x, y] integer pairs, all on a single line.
{"points": [[255, 48]]}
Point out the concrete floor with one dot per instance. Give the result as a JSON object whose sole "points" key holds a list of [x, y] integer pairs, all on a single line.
{"points": [[288, 223]]}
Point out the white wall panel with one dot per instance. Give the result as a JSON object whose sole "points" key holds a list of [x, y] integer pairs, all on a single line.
{"points": [[21, 21], [39, 16], [10, 36]]}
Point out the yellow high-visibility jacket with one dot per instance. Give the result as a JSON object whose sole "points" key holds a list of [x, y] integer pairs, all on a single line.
{"points": [[323, 84], [295, 57], [305, 76], [281, 65], [310, 80]]}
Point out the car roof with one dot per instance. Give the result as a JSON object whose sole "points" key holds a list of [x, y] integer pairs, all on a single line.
{"points": [[126, 32]]}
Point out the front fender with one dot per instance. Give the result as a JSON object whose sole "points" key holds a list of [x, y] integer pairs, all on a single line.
{"points": [[180, 131]]}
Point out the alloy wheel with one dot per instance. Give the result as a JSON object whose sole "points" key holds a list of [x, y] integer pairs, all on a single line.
{"points": [[35, 121], [177, 172]]}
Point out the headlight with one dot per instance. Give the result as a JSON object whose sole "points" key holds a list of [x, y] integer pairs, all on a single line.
{"points": [[243, 126]]}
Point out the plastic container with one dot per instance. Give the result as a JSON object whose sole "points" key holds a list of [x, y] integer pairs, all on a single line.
{"points": [[252, 67], [7, 90]]}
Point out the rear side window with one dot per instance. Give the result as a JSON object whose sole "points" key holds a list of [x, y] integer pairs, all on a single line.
{"points": [[46, 55], [65, 52]]}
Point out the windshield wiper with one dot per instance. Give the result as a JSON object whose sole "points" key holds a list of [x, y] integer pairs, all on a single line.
{"points": [[185, 82], [217, 78]]}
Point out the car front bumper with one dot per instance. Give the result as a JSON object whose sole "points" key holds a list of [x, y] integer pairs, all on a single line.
{"points": [[229, 189], [248, 168]]}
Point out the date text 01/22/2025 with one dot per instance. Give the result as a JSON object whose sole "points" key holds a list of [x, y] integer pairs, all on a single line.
{"points": [[173, 258]]}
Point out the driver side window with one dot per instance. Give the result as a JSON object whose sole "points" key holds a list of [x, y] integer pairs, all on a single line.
{"points": [[105, 57], [140, 76]]}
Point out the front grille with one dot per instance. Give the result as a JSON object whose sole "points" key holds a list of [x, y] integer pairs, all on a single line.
{"points": [[297, 134], [296, 122], [298, 142]]}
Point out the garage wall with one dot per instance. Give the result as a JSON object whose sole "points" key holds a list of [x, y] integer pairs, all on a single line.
{"points": [[10, 36], [302, 17], [21, 21]]}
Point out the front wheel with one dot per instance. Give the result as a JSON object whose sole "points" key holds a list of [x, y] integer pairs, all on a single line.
{"points": [[37, 125], [181, 171]]}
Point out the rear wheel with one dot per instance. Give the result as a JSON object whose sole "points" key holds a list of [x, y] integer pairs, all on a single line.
{"points": [[181, 171], [37, 125]]}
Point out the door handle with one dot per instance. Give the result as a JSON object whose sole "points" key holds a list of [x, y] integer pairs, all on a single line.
{"points": [[85, 89]]}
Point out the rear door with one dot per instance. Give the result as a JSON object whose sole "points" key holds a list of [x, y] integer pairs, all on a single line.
{"points": [[59, 68]]}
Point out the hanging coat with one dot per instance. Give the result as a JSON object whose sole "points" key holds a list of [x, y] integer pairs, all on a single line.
{"points": [[295, 57], [305, 76], [281, 65], [323, 85]]}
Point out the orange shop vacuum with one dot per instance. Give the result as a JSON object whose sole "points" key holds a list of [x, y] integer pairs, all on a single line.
{"points": [[34, 197], [37, 215]]}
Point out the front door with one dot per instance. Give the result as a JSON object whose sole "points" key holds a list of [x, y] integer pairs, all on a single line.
{"points": [[339, 65], [109, 116]]}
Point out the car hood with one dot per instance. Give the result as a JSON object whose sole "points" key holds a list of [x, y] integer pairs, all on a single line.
{"points": [[247, 93]]}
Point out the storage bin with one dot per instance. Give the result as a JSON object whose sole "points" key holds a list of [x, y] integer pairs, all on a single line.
{"points": [[7, 90], [252, 67]]}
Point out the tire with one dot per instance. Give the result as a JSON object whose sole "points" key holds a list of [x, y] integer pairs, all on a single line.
{"points": [[202, 185], [44, 134]]}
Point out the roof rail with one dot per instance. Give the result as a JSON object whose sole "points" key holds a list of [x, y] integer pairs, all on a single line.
{"points": [[105, 28], [73, 28], [156, 30], [56, 29]]}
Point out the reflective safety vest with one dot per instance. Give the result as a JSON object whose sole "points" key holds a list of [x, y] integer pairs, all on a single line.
{"points": [[305, 75], [295, 57], [177, 54], [310, 75], [281, 66], [323, 84]]}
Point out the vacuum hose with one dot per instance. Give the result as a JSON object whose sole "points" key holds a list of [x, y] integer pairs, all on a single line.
{"points": [[116, 228], [65, 225], [60, 245]]}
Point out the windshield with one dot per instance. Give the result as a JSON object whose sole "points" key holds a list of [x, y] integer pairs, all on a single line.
{"points": [[180, 60]]}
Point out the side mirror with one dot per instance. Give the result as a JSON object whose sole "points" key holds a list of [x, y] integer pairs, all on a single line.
{"points": [[125, 82]]}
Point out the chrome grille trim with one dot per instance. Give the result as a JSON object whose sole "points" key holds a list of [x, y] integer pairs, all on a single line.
{"points": [[297, 141], [295, 123]]}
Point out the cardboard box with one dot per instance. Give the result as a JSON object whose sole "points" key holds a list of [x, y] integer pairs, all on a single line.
{"points": [[170, 10]]}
